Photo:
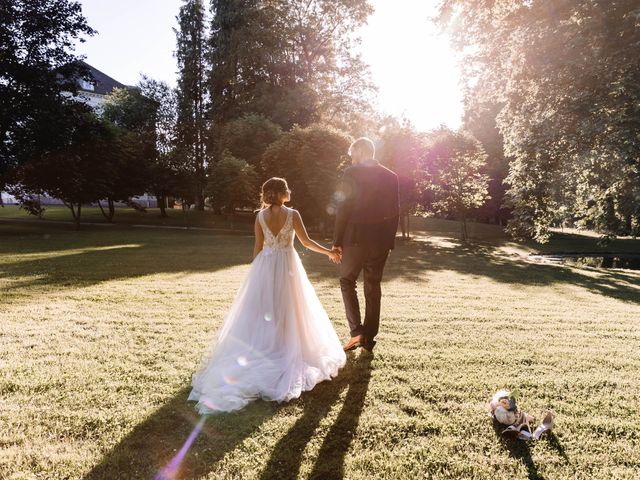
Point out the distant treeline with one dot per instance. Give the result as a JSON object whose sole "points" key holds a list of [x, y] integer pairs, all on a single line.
{"points": [[268, 88]]}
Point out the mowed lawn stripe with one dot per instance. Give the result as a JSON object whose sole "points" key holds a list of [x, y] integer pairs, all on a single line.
{"points": [[100, 332]]}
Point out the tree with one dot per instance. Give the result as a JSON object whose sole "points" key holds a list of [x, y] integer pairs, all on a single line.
{"points": [[401, 149], [292, 62], [136, 117], [36, 66], [607, 196], [166, 173], [453, 178], [248, 137], [233, 183], [31, 204], [191, 37], [321, 45], [566, 76], [84, 170], [309, 158], [480, 121]]}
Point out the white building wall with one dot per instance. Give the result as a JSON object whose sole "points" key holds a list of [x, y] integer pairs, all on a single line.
{"points": [[94, 100], [7, 199]]}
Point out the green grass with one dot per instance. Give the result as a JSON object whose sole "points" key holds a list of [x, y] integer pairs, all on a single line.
{"points": [[101, 329], [560, 242], [128, 216]]}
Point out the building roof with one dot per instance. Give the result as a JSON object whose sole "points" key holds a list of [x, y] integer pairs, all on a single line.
{"points": [[103, 83]]}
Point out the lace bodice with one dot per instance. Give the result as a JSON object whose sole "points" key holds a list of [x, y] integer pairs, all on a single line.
{"points": [[284, 238]]}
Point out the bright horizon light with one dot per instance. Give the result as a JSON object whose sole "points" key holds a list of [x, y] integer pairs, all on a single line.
{"points": [[412, 65]]}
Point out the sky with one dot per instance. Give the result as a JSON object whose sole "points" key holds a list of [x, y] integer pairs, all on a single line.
{"points": [[414, 68]]}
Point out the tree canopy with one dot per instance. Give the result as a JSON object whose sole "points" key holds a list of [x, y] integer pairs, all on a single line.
{"points": [[453, 180], [309, 159], [37, 64], [565, 74], [293, 61]]}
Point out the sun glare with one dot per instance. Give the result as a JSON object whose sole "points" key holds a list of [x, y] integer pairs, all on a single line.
{"points": [[412, 64]]}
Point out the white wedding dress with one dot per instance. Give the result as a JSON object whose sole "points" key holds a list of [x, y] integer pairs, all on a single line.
{"points": [[276, 340]]}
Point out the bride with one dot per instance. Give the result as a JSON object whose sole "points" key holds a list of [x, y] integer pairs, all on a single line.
{"points": [[276, 340]]}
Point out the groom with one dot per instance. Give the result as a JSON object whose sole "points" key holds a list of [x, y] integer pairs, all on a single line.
{"points": [[365, 230]]}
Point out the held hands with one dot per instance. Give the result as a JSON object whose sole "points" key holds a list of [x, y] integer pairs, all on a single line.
{"points": [[335, 255]]}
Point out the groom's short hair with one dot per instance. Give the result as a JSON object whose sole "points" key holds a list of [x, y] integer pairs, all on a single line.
{"points": [[364, 145]]}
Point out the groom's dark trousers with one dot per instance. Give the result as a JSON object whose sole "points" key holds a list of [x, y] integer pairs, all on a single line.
{"points": [[371, 262], [366, 225]]}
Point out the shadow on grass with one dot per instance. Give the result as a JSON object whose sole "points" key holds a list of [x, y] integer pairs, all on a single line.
{"points": [[102, 257], [330, 461], [412, 260], [518, 449], [60, 215], [554, 442], [286, 457], [80, 259], [152, 444]]}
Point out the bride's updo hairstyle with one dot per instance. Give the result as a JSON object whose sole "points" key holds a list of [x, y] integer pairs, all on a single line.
{"points": [[274, 191]]}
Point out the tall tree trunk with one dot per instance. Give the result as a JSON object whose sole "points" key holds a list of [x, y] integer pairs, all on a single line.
{"points": [[161, 199], [74, 214], [110, 214], [104, 214], [628, 225], [199, 200], [77, 217], [112, 209]]}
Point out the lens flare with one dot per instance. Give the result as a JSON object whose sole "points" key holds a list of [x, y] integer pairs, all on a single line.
{"points": [[268, 316], [170, 471], [242, 361], [210, 405], [230, 379]]}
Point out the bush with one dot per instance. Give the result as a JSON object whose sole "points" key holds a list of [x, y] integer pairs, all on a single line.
{"points": [[309, 158], [248, 137], [32, 206], [233, 183]]}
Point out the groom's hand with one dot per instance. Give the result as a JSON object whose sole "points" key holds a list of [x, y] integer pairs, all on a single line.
{"points": [[334, 257], [337, 254]]}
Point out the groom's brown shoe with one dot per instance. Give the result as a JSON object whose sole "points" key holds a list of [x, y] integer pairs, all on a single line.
{"points": [[354, 343], [368, 347]]}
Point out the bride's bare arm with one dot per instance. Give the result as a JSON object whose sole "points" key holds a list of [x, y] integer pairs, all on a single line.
{"points": [[257, 229], [303, 236]]}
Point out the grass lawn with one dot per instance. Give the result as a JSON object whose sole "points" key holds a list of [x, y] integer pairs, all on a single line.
{"points": [[101, 329], [127, 216]]}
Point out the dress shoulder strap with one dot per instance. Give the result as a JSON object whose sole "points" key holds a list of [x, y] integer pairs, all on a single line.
{"points": [[262, 222]]}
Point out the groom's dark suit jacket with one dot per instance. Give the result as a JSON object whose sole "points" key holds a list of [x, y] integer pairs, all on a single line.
{"points": [[368, 208]]}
